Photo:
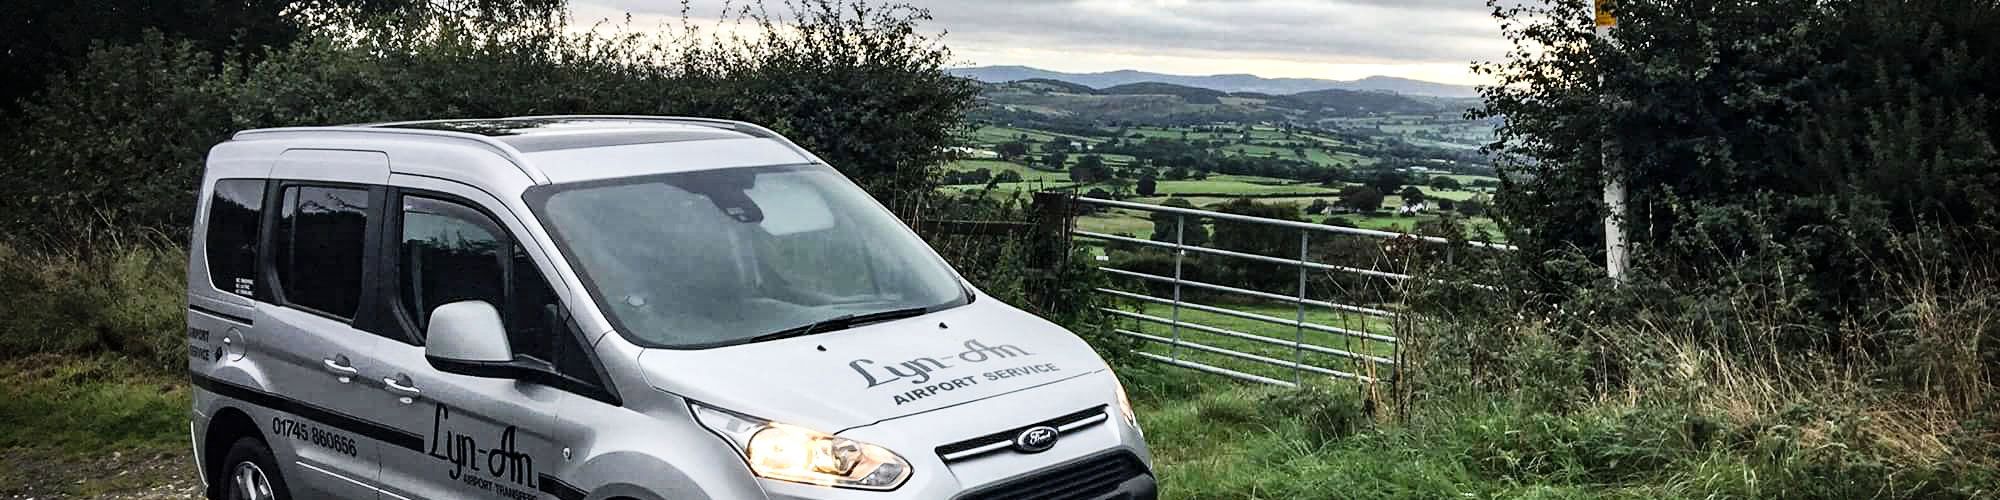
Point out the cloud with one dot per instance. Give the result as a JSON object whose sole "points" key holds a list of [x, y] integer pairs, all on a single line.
{"points": [[1268, 37]]}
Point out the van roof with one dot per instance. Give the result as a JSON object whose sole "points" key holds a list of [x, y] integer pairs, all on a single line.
{"points": [[553, 133], [520, 138]]}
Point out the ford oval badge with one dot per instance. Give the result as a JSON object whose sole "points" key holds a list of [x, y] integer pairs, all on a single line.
{"points": [[1036, 439]]}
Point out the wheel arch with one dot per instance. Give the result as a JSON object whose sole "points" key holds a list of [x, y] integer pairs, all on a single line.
{"points": [[224, 428]]}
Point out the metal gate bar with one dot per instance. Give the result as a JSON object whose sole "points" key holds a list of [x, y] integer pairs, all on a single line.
{"points": [[1247, 356], [1307, 226], [1252, 293], [1364, 365], [1246, 256], [1215, 370], [1254, 316], [1252, 337]]}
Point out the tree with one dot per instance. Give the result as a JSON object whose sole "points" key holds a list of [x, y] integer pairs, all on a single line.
{"points": [[1318, 206], [1833, 164], [1332, 177], [1011, 149], [1412, 196], [1088, 169], [1148, 186], [1177, 174], [1194, 229], [1387, 181], [1362, 199], [116, 144], [1007, 177], [1119, 186], [1446, 183], [1258, 239], [1474, 207], [1055, 161], [1057, 144], [1092, 162], [46, 38]]}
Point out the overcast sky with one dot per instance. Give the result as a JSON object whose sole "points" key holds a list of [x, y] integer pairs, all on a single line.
{"points": [[1337, 39]]}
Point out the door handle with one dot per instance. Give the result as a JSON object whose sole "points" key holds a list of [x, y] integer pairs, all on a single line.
{"points": [[338, 365], [400, 386]]}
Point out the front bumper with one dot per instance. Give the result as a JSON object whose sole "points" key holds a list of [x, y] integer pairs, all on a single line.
{"points": [[1138, 488], [1110, 456], [1113, 475]]}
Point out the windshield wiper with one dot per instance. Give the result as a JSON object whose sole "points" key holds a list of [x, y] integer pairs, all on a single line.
{"points": [[841, 322]]}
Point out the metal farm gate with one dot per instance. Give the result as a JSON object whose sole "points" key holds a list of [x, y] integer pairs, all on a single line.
{"points": [[1247, 340]]}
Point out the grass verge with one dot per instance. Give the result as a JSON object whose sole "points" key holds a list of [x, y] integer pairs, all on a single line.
{"points": [[1215, 440]]}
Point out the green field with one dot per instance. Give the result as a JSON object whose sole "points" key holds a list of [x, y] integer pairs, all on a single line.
{"points": [[989, 135], [1132, 223], [1235, 186], [998, 166]]}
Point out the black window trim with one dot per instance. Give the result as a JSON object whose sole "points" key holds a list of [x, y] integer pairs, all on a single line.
{"points": [[257, 292], [404, 329], [365, 315]]}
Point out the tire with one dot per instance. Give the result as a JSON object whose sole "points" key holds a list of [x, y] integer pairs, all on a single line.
{"points": [[250, 472]]}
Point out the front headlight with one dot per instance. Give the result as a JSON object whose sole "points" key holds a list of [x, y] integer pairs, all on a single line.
{"points": [[1125, 404], [797, 454]]}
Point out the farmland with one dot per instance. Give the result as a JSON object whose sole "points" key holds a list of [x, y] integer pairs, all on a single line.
{"points": [[1036, 172]]}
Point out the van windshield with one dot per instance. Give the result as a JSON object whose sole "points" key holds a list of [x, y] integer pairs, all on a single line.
{"points": [[722, 257]]}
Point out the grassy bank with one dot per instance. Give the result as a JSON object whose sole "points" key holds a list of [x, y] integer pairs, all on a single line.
{"points": [[1495, 409], [99, 427], [1211, 439], [1225, 441]]}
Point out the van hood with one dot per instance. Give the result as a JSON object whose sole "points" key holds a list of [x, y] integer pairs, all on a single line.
{"points": [[851, 378]]}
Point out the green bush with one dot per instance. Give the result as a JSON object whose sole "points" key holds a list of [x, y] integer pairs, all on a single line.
{"points": [[124, 300], [1747, 155], [117, 144]]}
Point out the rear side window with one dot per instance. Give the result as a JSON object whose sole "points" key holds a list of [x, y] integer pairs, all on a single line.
{"points": [[234, 214], [319, 239]]}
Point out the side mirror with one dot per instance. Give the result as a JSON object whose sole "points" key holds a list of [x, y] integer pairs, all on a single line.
{"points": [[468, 338]]}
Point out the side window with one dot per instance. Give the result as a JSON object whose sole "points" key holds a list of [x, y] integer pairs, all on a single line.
{"points": [[450, 252], [320, 235], [234, 214]]}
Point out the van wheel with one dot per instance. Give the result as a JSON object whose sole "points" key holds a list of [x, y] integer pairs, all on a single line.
{"points": [[251, 473]]}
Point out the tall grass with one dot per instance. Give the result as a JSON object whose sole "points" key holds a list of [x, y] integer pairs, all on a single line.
{"points": [[119, 297], [87, 404]]}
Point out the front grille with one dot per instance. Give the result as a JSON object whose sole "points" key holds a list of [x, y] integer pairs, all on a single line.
{"points": [[1087, 479], [999, 440]]}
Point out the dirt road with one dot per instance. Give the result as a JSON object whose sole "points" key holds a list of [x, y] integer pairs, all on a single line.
{"points": [[30, 473]]}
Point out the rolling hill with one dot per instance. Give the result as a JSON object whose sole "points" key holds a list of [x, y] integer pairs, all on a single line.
{"points": [[1157, 103], [1226, 83], [1191, 95]]}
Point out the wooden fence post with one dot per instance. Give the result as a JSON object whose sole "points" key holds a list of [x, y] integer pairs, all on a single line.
{"points": [[1050, 249]]}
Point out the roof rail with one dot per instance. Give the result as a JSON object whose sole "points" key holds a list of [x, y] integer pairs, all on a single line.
{"points": [[505, 150], [739, 126], [514, 155]]}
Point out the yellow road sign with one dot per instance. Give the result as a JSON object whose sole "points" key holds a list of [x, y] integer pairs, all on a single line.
{"points": [[1604, 17]]}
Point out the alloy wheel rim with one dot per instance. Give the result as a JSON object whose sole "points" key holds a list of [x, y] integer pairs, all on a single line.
{"points": [[249, 483]]}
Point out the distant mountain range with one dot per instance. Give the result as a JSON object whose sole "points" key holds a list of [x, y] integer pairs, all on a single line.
{"points": [[1053, 104], [1224, 83]]}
